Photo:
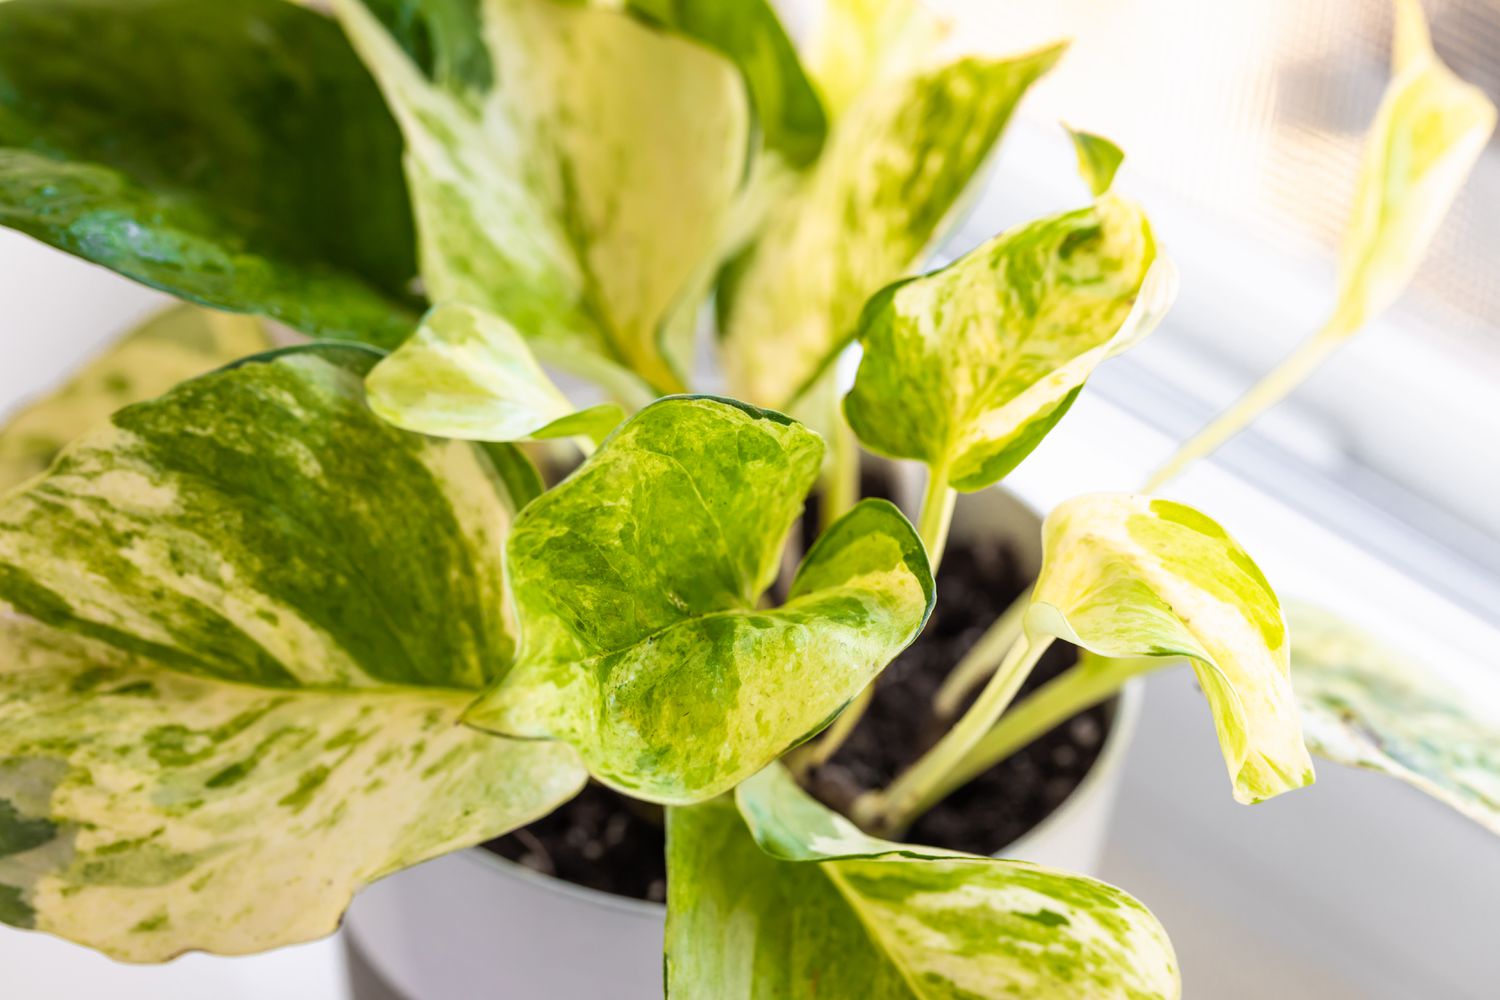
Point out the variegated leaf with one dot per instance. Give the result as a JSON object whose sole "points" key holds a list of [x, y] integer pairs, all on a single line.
{"points": [[637, 581], [171, 346], [967, 368], [468, 374], [1128, 576], [856, 42], [234, 153], [895, 165], [573, 169], [1366, 705], [822, 910], [248, 615], [1427, 135]]}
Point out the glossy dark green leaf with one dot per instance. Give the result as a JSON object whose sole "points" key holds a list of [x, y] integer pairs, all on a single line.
{"points": [[234, 153], [637, 584]]}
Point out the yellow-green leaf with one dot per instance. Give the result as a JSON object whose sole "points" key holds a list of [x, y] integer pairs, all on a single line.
{"points": [[967, 368], [171, 346], [637, 584], [1128, 576], [247, 616], [820, 910], [468, 374], [896, 164], [1369, 706], [572, 169]]}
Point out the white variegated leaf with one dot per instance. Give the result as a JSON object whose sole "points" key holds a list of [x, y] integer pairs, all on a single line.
{"points": [[1367, 705], [1131, 576], [468, 374], [244, 620], [821, 910], [571, 168]]}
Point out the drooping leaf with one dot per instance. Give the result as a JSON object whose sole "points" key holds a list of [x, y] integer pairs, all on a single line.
{"points": [[1430, 130], [573, 173], [822, 910], [1368, 706], [636, 584], [171, 346], [235, 153], [1129, 576], [468, 374], [894, 167], [253, 614], [967, 368], [1427, 135], [750, 34]]}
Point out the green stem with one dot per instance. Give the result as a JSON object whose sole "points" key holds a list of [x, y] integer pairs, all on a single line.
{"points": [[982, 658], [915, 790], [1262, 396], [936, 515], [841, 483], [1093, 680]]}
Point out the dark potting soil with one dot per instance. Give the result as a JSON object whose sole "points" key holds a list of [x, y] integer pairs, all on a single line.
{"points": [[604, 841]]}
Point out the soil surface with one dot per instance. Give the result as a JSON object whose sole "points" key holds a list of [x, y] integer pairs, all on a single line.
{"points": [[604, 841]]}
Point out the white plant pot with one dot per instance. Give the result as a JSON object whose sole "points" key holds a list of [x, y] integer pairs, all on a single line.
{"points": [[474, 926]]}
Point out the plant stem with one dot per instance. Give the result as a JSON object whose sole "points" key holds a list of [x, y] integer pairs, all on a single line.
{"points": [[982, 658], [841, 483], [1083, 686], [1262, 396], [914, 791], [936, 515]]}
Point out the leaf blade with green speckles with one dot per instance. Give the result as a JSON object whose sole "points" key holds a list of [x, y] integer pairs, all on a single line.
{"points": [[1133, 576], [580, 194], [896, 164], [967, 368], [468, 374], [171, 346], [243, 622], [823, 910], [636, 584], [249, 164], [1366, 705]]}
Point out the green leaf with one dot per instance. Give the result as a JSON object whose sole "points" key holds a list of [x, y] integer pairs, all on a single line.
{"points": [[235, 154], [468, 374], [636, 585], [894, 168], [1427, 135], [750, 34], [1098, 160], [822, 910], [967, 368], [1368, 706], [253, 614], [581, 192], [1128, 576], [171, 346], [855, 42]]}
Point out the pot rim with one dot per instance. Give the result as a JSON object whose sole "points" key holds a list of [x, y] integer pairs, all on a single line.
{"points": [[1111, 756]]}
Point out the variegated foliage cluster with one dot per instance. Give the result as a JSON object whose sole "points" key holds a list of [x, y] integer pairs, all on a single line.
{"points": [[275, 624]]}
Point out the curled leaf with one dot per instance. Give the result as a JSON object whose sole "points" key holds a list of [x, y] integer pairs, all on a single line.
{"points": [[819, 909], [637, 583], [896, 164], [235, 154], [467, 374], [1129, 576], [171, 346], [1368, 706], [244, 619], [968, 368], [578, 191]]}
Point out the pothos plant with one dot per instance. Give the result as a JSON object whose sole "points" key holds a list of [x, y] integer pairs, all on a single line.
{"points": [[277, 630]]}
